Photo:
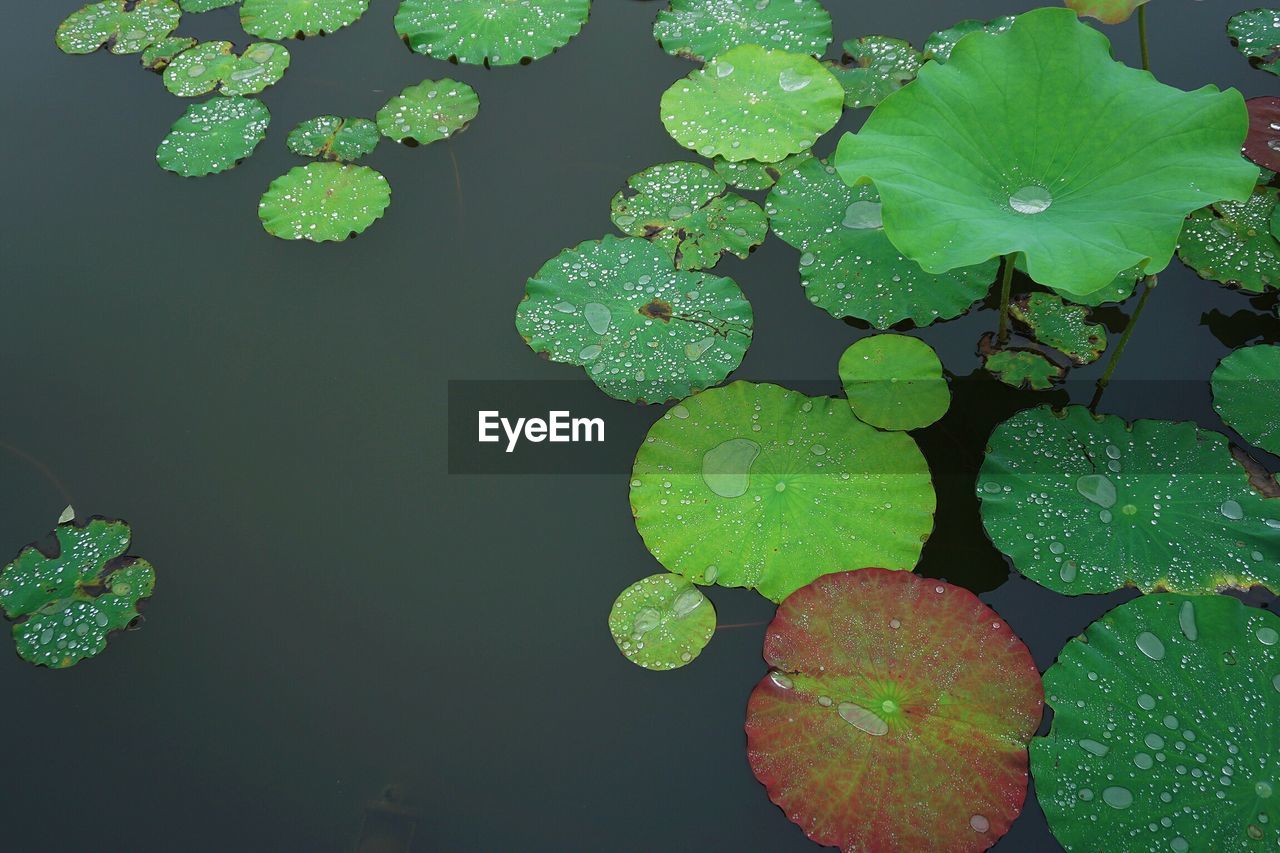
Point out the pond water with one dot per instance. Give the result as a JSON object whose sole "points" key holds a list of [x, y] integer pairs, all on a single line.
{"points": [[335, 614]]}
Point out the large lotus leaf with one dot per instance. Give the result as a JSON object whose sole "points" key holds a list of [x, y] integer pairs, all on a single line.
{"points": [[1063, 327], [642, 330], [196, 6], [1120, 288], [662, 622], [683, 208], [938, 46], [64, 605], [492, 32], [334, 138], [286, 19], [753, 103], [992, 153], [158, 55], [873, 67], [759, 486], [213, 65], [895, 715], [213, 136], [1231, 242], [1256, 34], [702, 29], [323, 201], [1164, 734], [1262, 145], [428, 112], [1084, 503], [125, 27], [847, 264], [754, 175], [894, 382], [1107, 11], [1246, 393]]}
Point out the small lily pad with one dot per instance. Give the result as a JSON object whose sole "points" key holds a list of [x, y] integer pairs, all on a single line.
{"points": [[683, 207], [334, 138], [428, 112], [752, 103], [874, 67], [1256, 34], [1164, 733], [662, 622], [754, 175], [1262, 145], [1063, 327], [287, 19], [938, 46], [492, 32], [1020, 367], [213, 65], [197, 6], [1107, 11], [702, 29], [120, 25], [157, 56], [323, 201], [894, 382], [1246, 393], [65, 604], [213, 136], [643, 331], [1231, 242], [895, 715]]}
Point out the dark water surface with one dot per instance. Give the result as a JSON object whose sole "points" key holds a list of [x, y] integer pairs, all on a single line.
{"points": [[334, 613]]}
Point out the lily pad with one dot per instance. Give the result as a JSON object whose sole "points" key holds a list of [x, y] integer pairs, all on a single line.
{"points": [[334, 138], [1085, 504], [157, 56], [287, 19], [938, 46], [1231, 242], [492, 32], [752, 103], [64, 604], [213, 136], [1256, 34], [428, 112], [197, 6], [1107, 11], [702, 29], [1063, 327], [1164, 732], [1262, 145], [895, 715], [683, 207], [848, 266], [1246, 393], [1019, 367], [989, 154], [121, 26], [894, 382], [662, 622], [759, 486], [754, 175], [323, 201], [213, 65], [874, 67], [643, 331]]}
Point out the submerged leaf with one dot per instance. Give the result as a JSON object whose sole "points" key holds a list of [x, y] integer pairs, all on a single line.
{"points": [[323, 201], [894, 382], [938, 46], [212, 65], [334, 138], [662, 622], [157, 56], [1262, 145], [1107, 11], [1256, 34], [873, 68], [754, 175], [1246, 393], [1231, 242], [286, 19], [1065, 328], [492, 32], [213, 136], [428, 112], [702, 29], [121, 25], [1019, 367]]}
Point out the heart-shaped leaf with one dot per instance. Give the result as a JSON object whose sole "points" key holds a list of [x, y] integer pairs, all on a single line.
{"points": [[287, 19], [702, 29], [662, 622], [1246, 393], [213, 136], [492, 32], [123, 26], [894, 382], [213, 65], [323, 201]]}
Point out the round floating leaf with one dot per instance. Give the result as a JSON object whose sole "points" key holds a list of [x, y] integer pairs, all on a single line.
{"points": [[429, 111], [1246, 393], [754, 175], [643, 331], [212, 65], [847, 264], [213, 136], [1018, 367], [894, 382], [895, 716], [64, 604], [938, 47], [1107, 11], [492, 32], [1256, 34], [701, 29], [1086, 504], [992, 154], [323, 201], [196, 6], [1231, 242], [752, 103], [1164, 733], [157, 56], [125, 27], [874, 67], [1065, 328], [683, 208], [334, 138], [286, 19], [662, 622], [1262, 145], [758, 486]]}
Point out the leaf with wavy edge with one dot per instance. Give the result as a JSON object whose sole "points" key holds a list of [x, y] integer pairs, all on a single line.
{"points": [[287, 19], [894, 382], [1231, 242], [489, 32], [1246, 393], [1256, 34], [323, 202], [702, 29], [213, 136], [117, 24], [213, 65]]}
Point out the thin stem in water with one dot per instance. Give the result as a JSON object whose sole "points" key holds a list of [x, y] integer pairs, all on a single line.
{"points": [[1148, 284], [1142, 37], [1006, 283]]}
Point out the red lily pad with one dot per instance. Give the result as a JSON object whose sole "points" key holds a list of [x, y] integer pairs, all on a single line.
{"points": [[1262, 145], [896, 714]]}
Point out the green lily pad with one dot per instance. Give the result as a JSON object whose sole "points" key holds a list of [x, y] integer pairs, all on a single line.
{"points": [[752, 103], [287, 19], [213, 136], [492, 32], [334, 138], [1063, 327], [197, 6], [683, 208], [428, 112], [848, 266], [1231, 242], [1019, 367], [157, 56], [1246, 393], [123, 27], [1164, 732], [1107, 11], [64, 604], [759, 486], [643, 331], [1262, 145], [938, 46], [754, 175], [323, 201], [213, 65], [1085, 504], [662, 622], [1256, 34], [873, 68], [895, 715], [989, 154], [702, 29], [894, 382]]}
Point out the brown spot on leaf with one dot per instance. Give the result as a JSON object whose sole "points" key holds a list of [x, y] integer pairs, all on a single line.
{"points": [[656, 309]]}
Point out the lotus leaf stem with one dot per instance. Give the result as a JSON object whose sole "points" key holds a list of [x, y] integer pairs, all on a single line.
{"points": [[1006, 283], [1149, 284]]}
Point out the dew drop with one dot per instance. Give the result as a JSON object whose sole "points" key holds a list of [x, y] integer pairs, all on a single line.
{"points": [[694, 350], [862, 719], [687, 601], [1031, 200], [726, 468], [1146, 702], [1267, 636], [1067, 572], [598, 317], [1149, 644], [1098, 749], [1097, 489], [1117, 797], [979, 823], [1232, 510], [589, 352], [1187, 621], [793, 81], [863, 214]]}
